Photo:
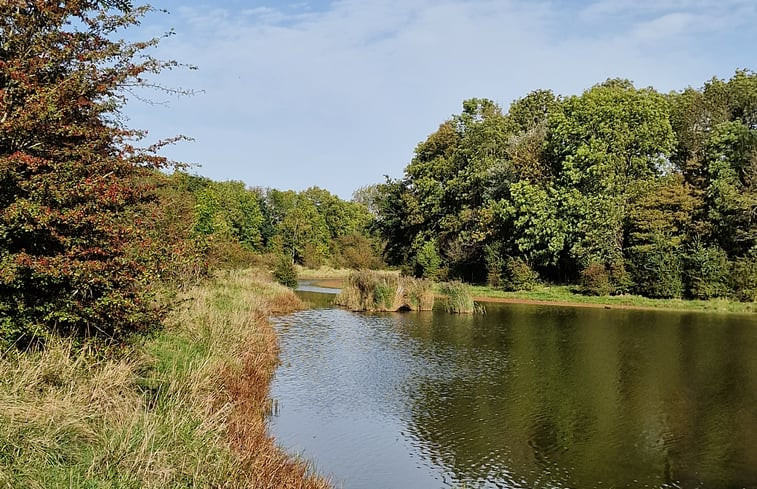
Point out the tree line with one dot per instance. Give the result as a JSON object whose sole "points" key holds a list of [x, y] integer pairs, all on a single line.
{"points": [[311, 228], [616, 190]]}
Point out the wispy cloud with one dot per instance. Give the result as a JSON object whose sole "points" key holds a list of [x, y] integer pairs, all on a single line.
{"points": [[339, 96]]}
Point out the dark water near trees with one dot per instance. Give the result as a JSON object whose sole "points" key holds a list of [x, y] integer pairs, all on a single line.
{"points": [[522, 397]]}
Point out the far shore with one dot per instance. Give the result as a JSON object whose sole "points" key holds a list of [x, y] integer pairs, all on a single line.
{"points": [[560, 296]]}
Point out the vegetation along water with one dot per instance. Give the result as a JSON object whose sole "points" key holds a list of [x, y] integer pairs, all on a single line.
{"points": [[134, 350]]}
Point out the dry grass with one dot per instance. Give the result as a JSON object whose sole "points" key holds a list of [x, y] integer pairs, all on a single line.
{"points": [[185, 408], [368, 290]]}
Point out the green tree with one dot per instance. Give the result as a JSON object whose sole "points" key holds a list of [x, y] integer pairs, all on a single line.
{"points": [[302, 231], [601, 144], [732, 187]]}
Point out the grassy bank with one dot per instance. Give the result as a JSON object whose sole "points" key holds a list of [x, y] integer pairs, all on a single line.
{"points": [[184, 408], [563, 295]]}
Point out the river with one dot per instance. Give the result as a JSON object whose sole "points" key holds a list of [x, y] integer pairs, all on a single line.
{"points": [[521, 397]]}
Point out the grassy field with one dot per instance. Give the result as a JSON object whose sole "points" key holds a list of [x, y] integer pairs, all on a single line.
{"points": [[562, 294], [183, 408]]}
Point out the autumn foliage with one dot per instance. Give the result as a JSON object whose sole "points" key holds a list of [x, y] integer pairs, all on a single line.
{"points": [[72, 181]]}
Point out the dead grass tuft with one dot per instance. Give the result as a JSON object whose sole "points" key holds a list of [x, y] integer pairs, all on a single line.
{"points": [[368, 290]]}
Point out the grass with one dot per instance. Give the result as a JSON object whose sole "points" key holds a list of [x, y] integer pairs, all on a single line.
{"points": [[563, 294], [459, 298], [368, 290], [324, 272], [183, 408]]}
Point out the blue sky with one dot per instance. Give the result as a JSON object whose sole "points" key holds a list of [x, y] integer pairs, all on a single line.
{"points": [[338, 94]]}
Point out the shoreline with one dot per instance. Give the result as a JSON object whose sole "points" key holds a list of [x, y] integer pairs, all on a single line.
{"points": [[591, 302], [185, 406]]}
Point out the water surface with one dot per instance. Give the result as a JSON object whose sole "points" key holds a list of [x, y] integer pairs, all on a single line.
{"points": [[522, 397]]}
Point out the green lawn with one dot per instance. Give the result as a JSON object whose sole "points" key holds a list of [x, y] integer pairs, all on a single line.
{"points": [[564, 293]]}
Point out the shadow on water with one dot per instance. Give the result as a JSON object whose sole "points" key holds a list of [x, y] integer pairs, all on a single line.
{"points": [[525, 396]]}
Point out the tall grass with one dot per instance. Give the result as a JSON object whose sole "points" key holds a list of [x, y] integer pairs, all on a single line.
{"points": [[368, 290], [459, 297], [184, 408]]}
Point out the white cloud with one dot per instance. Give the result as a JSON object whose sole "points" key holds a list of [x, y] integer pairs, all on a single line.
{"points": [[339, 97]]}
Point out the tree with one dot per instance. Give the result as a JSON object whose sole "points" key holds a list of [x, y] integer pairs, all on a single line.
{"points": [[230, 210], [71, 177], [602, 143], [302, 232]]}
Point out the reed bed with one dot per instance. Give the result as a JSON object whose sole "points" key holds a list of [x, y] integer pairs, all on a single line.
{"points": [[368, 290], [183, 408], [459, 297]]}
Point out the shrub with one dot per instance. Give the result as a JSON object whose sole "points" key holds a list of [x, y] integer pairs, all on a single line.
{"points": [[312, 256], [494, 265], [427, 261], [357, 252], [520, 275], [707, 272], [620, 278], [595, 280], [284, 272], [72, 181], [657, 272]]}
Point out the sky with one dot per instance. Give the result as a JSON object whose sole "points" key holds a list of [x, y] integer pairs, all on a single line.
{"points": [[337, 94]]}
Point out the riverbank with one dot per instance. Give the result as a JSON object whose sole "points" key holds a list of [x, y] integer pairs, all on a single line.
{"points": [[185, 407], [562, 295]]}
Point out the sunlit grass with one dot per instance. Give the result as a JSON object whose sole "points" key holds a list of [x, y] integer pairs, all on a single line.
{"points": [[565, 294], [184, 408]]}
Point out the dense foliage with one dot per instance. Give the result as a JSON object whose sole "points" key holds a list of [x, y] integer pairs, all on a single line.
{"points": [[73, 257], [310, 228], [616, 190]]}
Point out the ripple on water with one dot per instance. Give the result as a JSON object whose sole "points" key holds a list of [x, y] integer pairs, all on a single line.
{"points": [[519, 398]]}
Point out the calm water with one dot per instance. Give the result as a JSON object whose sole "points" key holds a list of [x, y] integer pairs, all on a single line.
{"points": [[522, 397]]}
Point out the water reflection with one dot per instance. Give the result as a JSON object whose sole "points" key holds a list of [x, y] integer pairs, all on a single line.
{"points": [[522, 397]]}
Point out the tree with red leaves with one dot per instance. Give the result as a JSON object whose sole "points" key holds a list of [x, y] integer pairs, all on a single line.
{"points": [[71, 178]]}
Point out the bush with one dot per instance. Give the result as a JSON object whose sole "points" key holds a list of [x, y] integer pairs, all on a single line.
{"points": [[312, 256], [595, 280], [744, 279], [657, 272], [620, 278], [357, 252], [707, 272], [73, 242], [284, 272], [520, 275], [494, 265]]}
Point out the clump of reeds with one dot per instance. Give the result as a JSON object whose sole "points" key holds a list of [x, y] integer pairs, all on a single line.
{"points": [[368, 290], [183, 408], [419, 293], [459, 297]]}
